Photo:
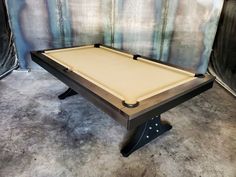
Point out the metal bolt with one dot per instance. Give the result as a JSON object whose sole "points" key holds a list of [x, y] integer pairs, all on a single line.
{"points": [[150, 128], [157, 131], [147, 136], [156, 124]]}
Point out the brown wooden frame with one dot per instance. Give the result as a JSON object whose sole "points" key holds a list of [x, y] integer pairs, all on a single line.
{"points": [[128, 117]]}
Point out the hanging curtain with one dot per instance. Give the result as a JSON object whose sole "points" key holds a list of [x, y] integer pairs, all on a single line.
{"points": [[44, 24], [223, 58], [7, 53], [175, 31]]}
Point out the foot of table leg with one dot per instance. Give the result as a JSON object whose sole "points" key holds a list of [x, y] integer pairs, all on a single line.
{"points": [[69, 92], [144, 134]]}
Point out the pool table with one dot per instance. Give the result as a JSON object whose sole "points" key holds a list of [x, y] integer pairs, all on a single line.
{"points": [[132, 89]]}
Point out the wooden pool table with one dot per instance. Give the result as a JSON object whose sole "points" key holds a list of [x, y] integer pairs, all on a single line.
{"points": [[132, 89]]}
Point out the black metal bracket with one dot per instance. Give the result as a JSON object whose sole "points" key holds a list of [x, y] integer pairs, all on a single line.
{"points": [[97, 45], [199, 75], [135, 57], [130, 105], [69, 92], [144, 134]]}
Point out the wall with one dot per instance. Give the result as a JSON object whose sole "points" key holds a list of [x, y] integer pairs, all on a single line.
{"points": [[223, 58], [179, 32], [7, 52]]}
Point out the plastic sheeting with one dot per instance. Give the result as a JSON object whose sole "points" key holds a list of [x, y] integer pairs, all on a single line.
{"points": [[175, 31], [7, 53], [223, 59], [44, 24]]}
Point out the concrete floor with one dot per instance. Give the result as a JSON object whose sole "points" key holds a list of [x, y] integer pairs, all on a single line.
{"points": [[42, 136]]}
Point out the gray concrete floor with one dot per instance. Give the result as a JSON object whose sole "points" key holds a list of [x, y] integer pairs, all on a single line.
{"points": [[42, 136]]}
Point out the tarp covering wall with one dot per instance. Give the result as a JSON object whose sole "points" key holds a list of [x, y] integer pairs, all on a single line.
{"points": [[176, 31], [7, 53], [223, 59]]}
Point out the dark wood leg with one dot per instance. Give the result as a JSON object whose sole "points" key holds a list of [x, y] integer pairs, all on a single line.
{"points": [[144, 134], [69, 92]]}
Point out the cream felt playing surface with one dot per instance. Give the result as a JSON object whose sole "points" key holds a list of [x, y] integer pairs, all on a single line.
{"points": [[130, 80]]}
